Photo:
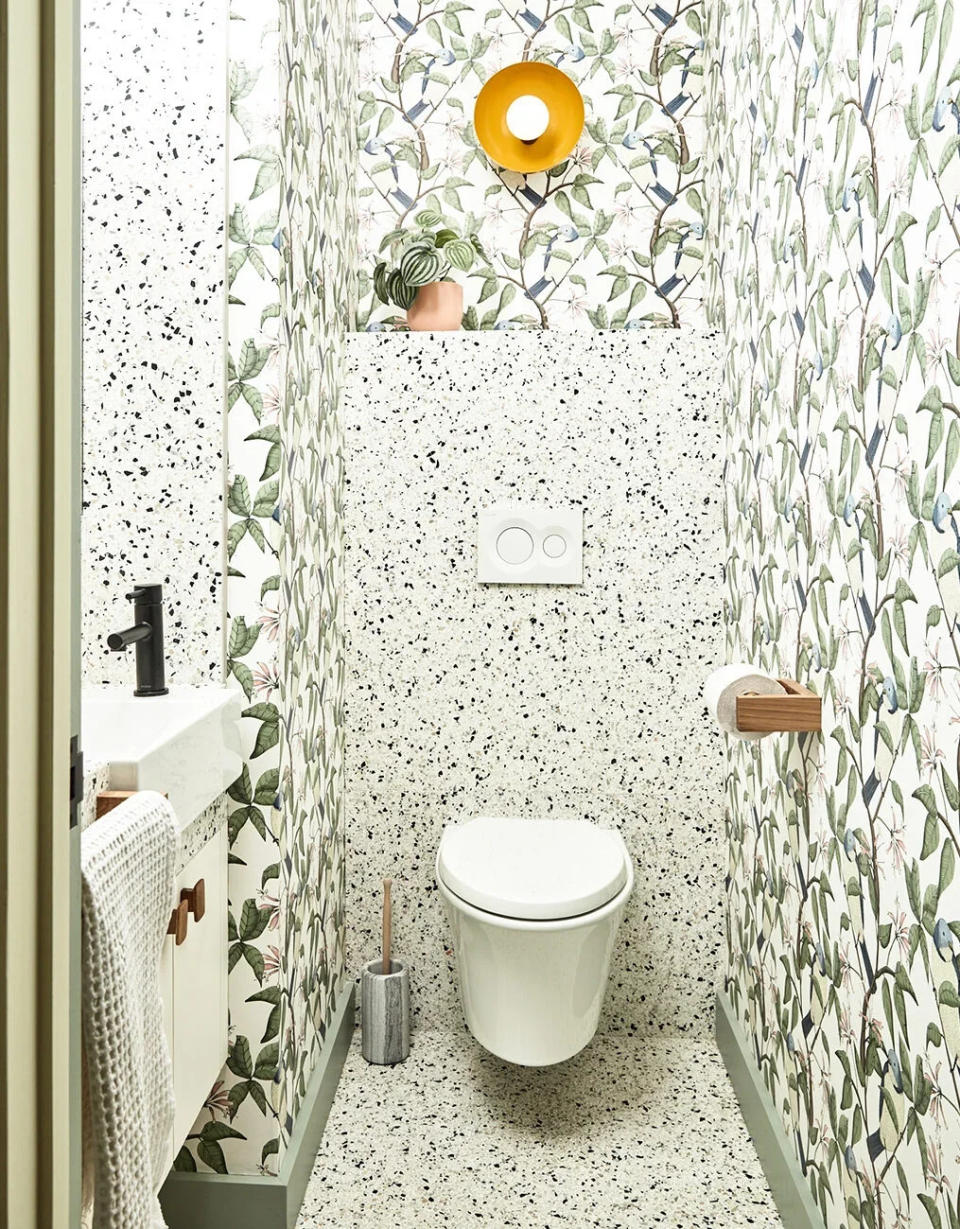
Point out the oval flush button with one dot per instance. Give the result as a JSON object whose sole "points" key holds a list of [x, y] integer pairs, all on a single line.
{"points": [[515, 545], [554, 546]]}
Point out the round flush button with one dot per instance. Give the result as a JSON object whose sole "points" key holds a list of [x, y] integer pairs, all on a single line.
{"points": [[515, 545], [554, 546]]}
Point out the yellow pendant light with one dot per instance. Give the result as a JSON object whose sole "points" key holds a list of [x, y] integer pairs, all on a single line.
{"points": [[528, 117]]}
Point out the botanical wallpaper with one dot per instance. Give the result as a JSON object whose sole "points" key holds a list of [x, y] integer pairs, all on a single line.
{"points": [[611, 238], [289, 272], [835, 272]]}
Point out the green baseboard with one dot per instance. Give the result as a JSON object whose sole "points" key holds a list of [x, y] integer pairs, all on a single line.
{"points": [[240, 1201], [793, 1198]]}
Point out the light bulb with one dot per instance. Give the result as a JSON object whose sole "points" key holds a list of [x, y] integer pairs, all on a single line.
{"points": [[527, 117]]}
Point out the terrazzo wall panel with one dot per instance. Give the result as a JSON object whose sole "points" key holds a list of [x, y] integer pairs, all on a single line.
{"points": [[154, 167], [613, 236], [578, 701], [836, 276]]}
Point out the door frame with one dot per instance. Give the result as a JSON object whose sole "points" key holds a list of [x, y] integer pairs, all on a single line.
{"points": [[39, 612]]}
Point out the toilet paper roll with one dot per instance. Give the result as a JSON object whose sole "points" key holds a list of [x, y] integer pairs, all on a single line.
{"points": [[722, 687]]}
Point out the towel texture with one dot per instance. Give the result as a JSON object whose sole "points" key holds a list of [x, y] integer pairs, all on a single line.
{"points": [[128, 864]]}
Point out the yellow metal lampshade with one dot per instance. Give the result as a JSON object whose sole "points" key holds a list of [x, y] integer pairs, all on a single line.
{"points": [[519, 87]]}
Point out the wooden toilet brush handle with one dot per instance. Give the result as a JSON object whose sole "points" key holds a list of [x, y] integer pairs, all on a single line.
{"points": [[387, 923]]}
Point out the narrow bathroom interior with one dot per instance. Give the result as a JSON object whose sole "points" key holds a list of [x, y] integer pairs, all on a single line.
{"points": [[519, 614]]}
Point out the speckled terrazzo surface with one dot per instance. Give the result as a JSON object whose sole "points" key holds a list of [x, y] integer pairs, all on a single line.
{"points": [[633, 1132], [568, 702], [154, 124], [193, 836]]}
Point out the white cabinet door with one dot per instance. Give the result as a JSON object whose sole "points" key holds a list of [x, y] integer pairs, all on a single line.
{"points": [[200, 989]]}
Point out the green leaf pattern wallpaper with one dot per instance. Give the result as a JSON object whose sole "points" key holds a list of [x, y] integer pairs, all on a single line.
{"points": [[290, 273], [834, 271], [611, 238]]}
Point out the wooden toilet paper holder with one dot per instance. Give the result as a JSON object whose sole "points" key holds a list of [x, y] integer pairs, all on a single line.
{"points": [[797, 710]]}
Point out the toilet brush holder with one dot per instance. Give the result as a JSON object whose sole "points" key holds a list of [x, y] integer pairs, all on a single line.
{"points": [[385, 1012]]}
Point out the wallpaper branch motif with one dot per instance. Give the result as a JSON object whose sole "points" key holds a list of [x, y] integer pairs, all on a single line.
{"points": [[290, 274], [836, 277], [611, 238]]}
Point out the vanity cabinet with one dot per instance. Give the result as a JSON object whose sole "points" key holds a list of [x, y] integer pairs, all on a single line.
{"points": [[193, 985]]}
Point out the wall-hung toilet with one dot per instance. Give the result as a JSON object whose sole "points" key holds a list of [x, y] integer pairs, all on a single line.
{"points": [[535, 905]]}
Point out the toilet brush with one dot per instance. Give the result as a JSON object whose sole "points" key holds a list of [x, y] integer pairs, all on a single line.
{"points": [[387, 922], [385, 1000]]}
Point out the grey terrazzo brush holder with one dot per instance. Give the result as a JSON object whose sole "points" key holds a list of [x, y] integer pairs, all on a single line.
{"points": [[385, 1012]]}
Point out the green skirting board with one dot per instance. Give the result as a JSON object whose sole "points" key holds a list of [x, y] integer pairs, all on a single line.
{"points": [[239, 1201], [793, 1198]]}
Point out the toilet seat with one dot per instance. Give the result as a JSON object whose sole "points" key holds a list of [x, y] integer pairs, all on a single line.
{"points": [[533, 869]]}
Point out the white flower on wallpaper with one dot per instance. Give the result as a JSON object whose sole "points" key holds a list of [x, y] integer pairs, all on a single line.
{"points": [[613, 237], [835, 164]]}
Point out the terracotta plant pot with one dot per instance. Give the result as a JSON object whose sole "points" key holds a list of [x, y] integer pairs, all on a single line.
{"points": [[438, 307]]}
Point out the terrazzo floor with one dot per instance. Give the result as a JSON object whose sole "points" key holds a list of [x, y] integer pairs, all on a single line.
{"points": [[633, 1132]]}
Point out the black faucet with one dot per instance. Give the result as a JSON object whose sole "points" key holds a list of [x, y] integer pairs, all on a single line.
{"points": [[147, 635]]}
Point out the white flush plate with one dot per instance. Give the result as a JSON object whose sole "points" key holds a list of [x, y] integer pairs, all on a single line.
{"points": [[526, 544]]}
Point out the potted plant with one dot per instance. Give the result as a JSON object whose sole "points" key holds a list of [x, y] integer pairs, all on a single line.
{"points": [[418, 279]]}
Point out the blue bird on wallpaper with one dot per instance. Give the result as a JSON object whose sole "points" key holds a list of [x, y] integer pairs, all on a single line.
{"points": [[572, 52], [943, 515], [945, 106], [851, 1183], [886, 743], [855, 559], [695, 232], [793, 834], [856, 910], [887, 1135], [633, 140], [562, 234], [375, 147], [875, 441], [404, 24], [532, 20], [796, 1108], [658, 12], [444, 58], [943, 941], [851, 198], [948, 991], [688, 60], [818, 991], [871, 90], [944, 519]]}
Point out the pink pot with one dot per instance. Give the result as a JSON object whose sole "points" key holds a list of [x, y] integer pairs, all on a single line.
{"points": [[438, 307]]}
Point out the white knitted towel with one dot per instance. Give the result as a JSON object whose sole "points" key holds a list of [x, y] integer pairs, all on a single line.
{"points": [[128, 864]]}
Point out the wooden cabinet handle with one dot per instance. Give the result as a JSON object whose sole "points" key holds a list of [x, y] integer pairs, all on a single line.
{"points": [[178, 922], [195, 899]]}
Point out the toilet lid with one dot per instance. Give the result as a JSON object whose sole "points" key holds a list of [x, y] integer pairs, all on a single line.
{"points": [[540, 869]]}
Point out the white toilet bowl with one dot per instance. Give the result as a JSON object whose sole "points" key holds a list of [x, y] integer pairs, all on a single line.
{"points": [[535, 905]]}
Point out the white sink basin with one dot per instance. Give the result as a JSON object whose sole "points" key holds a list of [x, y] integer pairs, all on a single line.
{"points": [[185, 744]]}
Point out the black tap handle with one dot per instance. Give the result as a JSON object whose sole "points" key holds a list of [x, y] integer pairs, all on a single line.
{"points": [[151, 595]]}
